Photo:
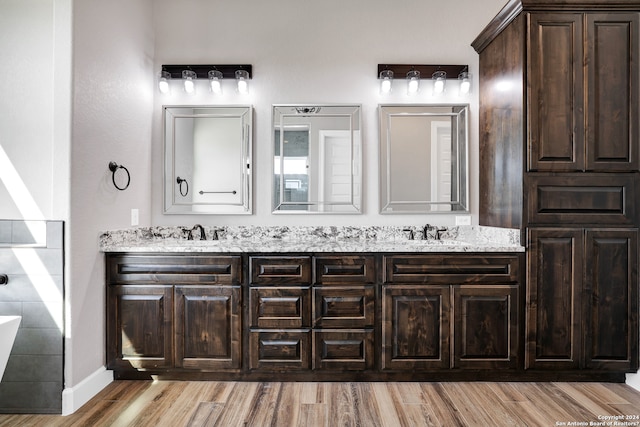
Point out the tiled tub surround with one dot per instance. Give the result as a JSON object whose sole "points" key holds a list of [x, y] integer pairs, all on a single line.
{"points": [[8, 330], [313, 239], [31, 255]]}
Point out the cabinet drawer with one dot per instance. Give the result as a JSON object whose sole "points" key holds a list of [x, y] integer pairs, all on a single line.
{"points": [[205, 269], [582, 199], [450, 269], [280, 270], [280, 350], [338, 307], [345, 270], [343, 350], [280, 307]]}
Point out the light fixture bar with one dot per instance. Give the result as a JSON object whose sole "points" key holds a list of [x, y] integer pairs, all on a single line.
{"points": [[426, 71], [202, 70]]}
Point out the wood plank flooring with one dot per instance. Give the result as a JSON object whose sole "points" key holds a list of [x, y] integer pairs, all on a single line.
{"points": [[229, 404]]}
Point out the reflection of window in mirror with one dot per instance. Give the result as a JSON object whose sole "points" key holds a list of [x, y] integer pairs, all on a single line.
{"points": [[291, 166], [317, 157]]}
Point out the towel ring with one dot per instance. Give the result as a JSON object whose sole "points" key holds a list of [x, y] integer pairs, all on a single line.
{"points": [[113, 167], [180, 181]]}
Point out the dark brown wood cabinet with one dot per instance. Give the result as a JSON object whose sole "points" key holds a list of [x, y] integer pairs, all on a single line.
{"points": [[319, 321], [583, 118], [459, 312], [560, 159], [207, 327], [172, 311], [416, 327], [582, 298], [280, 313], [315, 316], [139, 327]]}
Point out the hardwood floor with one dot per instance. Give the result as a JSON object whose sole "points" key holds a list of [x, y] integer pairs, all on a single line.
{"points": [[228, 404]]}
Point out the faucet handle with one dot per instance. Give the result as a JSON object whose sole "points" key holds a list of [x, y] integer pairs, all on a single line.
{"points": [[411, 234], [188, 232]]}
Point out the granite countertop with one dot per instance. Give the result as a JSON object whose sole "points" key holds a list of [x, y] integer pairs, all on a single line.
{"points": [[274, 239]]}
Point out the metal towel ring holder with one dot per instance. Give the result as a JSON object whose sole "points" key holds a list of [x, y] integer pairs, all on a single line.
{"points": [[180, 181], [113, 167]]}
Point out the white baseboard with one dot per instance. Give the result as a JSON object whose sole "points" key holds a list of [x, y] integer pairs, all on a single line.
{"points": [[73, 398], [633, 380]]}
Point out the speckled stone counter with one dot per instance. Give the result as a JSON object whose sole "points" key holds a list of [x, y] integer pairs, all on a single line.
{"points": [[275, 239]]}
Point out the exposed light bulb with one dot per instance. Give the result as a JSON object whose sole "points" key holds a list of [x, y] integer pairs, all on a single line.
{"points": [[413, 82], [242, 77], [188, 78], [439, 79], [465, 83], [386, 77], [163, 82], [215, 82]]}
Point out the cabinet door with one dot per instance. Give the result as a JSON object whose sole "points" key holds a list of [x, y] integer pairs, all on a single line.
{"points": [[613, 95], [416, 327], [555, 108], [554, 295], [486, 326], [208, 327], [139, 327], [611, 286]]}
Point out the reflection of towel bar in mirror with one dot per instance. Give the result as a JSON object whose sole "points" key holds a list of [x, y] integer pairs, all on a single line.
{"points": [[217, 192], [210, 146]]}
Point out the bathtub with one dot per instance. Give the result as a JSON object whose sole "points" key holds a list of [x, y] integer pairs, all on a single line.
{"points": [[8, 330]]}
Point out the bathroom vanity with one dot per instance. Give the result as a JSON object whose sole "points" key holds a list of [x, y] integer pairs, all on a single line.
{"points": [[323, 303]]}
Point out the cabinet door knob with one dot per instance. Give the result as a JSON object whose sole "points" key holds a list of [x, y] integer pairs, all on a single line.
{"points": [[4, 279]]}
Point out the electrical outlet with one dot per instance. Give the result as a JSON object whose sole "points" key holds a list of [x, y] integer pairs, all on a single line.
{"points": [[135, 218], [463, 220]]}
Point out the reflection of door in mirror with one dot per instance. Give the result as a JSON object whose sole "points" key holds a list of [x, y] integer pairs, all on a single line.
{"points": [[291, 166], [423, 158], [334, 179], [317, 159], [441, 186]]}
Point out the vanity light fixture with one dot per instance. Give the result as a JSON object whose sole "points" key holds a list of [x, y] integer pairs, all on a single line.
{"points": [[413, 81], [188, 79], [386, 77], [465, 82], [413, 73], [439, 80], [214, 73], [163, 82], [215, 81], [242, 77]]}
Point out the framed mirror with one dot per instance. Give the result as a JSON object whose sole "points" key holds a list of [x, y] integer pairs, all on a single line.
{"points": [[423, 159], [207, 159], [317, 159]]}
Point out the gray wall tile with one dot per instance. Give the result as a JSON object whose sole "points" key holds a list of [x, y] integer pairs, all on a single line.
{"points": [[5, 231], [31, 368], [31, 397], [38, 341]]}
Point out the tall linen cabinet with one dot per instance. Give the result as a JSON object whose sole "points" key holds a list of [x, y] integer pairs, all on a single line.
{"points": [[559, 159]]}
